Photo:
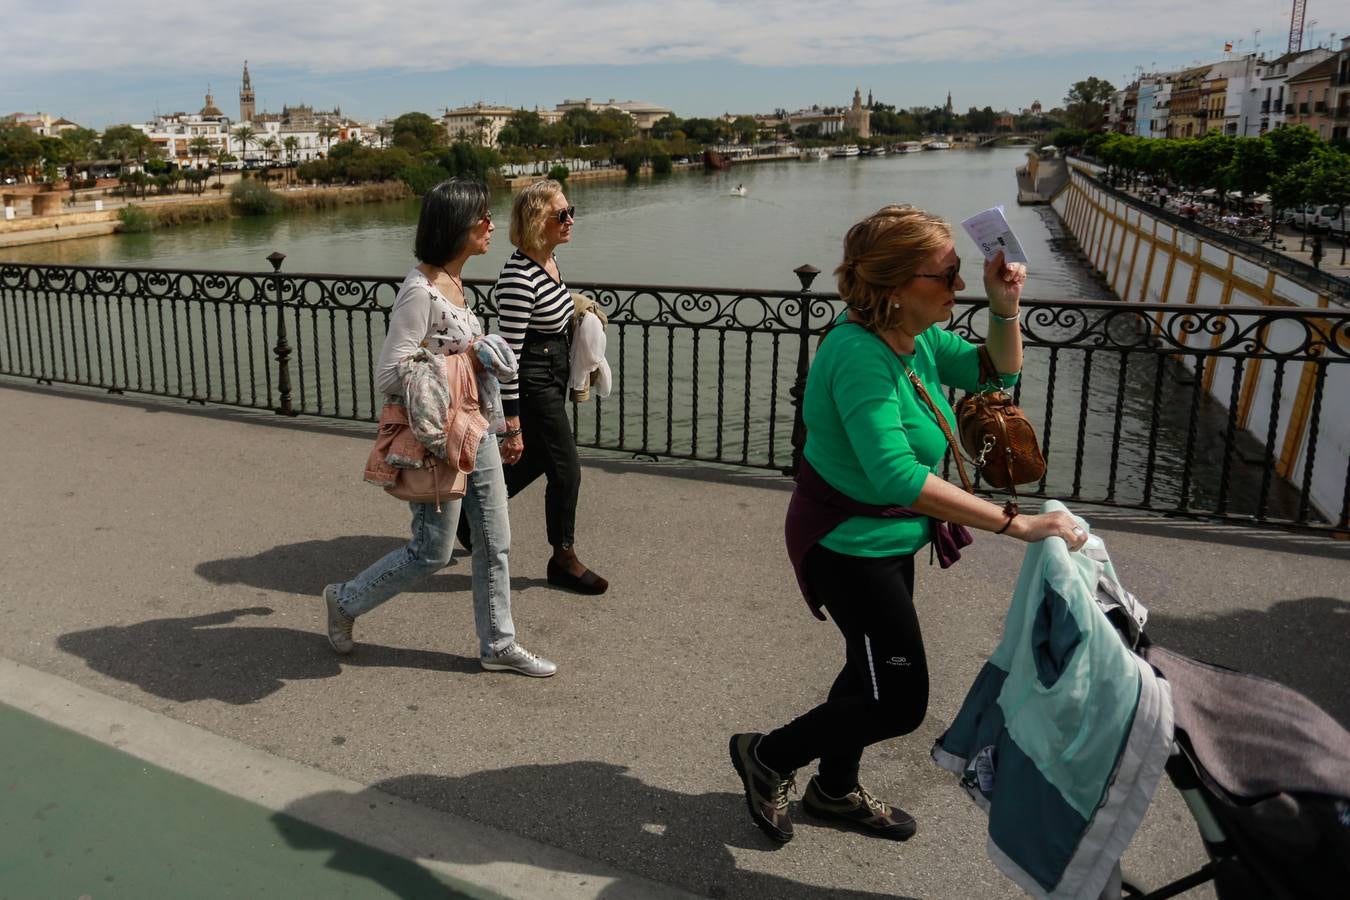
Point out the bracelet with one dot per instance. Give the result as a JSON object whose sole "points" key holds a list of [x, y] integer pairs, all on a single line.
{"points": [[997, 318], [510, 433], [1011, 511]]}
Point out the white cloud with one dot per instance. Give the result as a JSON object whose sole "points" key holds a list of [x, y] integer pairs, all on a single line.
{"points": [[434, 35]]}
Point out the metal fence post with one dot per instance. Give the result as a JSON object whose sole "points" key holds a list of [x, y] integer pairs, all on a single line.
{"points": [[806, 275], [282, 349]]}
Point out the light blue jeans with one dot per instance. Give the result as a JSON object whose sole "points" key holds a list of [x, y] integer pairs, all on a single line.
{"points": [[431, 548]]}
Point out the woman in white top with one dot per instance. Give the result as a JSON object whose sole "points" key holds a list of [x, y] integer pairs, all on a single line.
{"points": [[430, 310]]}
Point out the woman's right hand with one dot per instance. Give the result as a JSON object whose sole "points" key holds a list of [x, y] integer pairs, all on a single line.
{"points": [[1040, 526], [513, 446]]}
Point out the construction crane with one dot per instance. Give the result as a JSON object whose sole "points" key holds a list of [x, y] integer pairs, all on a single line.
{"points": [[1296, 26]]}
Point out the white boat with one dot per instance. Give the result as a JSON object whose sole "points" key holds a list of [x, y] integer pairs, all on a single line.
{"points": [[937, 145], [874, 151], [845, 151], [815, 155], [738, 191], [909, 147]]}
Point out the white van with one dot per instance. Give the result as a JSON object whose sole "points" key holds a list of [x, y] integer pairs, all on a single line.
{"points": [[1300, 216], [1329, 218]]}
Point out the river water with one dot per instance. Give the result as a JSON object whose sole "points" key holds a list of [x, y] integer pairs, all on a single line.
{"points": [[688, 229]]}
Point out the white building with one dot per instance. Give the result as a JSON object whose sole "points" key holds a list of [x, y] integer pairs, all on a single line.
{"points": [[644, 115], [1271, 93], [174, 134], [830, 120]]}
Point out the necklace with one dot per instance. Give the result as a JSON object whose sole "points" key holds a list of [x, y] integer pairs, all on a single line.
{"points": [[457, 282]]}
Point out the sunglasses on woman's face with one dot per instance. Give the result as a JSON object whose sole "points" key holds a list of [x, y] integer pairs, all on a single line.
{"points": [[567, 215], [950, 275]]}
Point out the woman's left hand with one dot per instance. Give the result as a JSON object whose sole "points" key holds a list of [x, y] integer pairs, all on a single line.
{"points": [[1003, 285]]}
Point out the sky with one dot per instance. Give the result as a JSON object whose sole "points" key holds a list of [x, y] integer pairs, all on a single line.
{"points": [[101, 64]]}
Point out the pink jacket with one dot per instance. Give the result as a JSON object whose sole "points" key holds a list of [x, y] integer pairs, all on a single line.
{"points": [[464, 425]]}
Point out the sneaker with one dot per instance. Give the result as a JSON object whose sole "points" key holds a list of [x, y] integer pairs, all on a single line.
{"points": [[766, 792], [339, 623], [516, 658], [861, 810]]}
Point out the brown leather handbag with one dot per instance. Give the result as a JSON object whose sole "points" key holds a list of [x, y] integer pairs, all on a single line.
{"points": [[996, 434]]}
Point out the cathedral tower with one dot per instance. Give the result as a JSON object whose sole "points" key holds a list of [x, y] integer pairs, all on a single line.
{"points": [[246, 104]]}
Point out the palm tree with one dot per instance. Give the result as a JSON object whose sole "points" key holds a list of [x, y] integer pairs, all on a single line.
{"points": [[384, 131], [269, 147], [245, 136], [199, 147], [326, 134], [292, 146]]}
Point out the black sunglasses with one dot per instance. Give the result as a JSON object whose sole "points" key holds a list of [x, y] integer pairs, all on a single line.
{"points": [[949, 276], [567, 215]]}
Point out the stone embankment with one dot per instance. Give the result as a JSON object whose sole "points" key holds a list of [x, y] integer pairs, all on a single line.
{"points": [[1146, 256]]}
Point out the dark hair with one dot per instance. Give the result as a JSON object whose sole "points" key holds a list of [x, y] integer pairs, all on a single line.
{"points": [[450, 210]]}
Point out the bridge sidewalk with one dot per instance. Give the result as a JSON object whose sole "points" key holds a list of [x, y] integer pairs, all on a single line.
{"points": [[169, 558]]}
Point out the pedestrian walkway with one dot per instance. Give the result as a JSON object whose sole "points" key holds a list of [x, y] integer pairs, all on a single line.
{"points": [[165, 561]]}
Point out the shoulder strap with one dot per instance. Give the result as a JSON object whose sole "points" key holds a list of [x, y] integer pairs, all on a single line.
{"points": [[942, 423], [989, 373]]}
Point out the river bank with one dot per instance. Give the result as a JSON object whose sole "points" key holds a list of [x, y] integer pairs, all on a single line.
{"points": [[102, 215]]}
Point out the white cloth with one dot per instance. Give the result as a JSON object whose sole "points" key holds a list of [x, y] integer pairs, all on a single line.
{"points": [[588, 355]]}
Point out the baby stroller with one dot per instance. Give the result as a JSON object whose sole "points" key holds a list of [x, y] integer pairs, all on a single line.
{"points": [[1067, 731], [1266, 775]]}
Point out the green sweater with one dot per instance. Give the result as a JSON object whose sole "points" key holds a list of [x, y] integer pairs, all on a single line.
{"points": [[870, 435]]}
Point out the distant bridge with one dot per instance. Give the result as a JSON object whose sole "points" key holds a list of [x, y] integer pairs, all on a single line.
{"points": [[1013, 137]]}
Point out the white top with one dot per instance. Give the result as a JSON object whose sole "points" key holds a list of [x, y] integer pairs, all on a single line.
{"points": [[421, 314]]}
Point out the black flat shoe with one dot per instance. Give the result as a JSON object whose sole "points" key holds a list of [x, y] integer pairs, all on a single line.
{"points": [[586, 583]]}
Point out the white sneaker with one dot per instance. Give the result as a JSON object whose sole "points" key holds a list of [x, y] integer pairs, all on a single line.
{"points": [[516, 658], [339, 623]]}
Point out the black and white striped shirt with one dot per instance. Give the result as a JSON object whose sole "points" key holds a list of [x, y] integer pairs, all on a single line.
{"points": [[528, 299]]}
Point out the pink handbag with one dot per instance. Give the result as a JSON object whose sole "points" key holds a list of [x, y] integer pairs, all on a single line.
{"points": [[436, 479]]}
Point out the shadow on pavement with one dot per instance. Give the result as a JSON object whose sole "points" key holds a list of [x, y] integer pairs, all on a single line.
{"points": [[194, 658], [1299, 643], [591, 809], [305, 567]]}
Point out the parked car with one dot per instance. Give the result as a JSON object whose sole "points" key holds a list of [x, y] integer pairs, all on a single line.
{"points": [[1301, 216]]}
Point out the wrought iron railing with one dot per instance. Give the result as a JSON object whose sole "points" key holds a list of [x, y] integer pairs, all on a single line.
{"points": [[1117, 390]]}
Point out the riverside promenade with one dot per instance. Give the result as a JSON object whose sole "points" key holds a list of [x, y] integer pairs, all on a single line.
{"points": [[173, 723]]}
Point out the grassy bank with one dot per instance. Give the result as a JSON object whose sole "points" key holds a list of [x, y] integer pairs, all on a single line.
{"points": [[213, 209]]}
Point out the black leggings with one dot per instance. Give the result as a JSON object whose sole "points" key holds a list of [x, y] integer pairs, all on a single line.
{"points": [[882, 691], [550, 449]]}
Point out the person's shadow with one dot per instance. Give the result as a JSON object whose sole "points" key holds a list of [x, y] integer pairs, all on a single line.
{"points": [[306, 566], [1299, 643], [592, 810], [207, 657]]}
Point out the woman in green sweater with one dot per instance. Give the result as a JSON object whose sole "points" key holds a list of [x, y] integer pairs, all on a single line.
{"points": [[868, 498]]}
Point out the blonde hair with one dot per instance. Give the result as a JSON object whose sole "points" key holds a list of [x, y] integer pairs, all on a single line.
{"points": [[882, 252], [529, 211]]}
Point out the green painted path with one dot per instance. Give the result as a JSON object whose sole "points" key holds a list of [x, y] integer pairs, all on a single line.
{"points": [[82, 819]]}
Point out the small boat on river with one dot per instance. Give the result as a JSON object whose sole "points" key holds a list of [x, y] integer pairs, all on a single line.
{"points": [[716, 161], [909, 147], [937, 145], [846, 151], [813, 155], [739, 191]]}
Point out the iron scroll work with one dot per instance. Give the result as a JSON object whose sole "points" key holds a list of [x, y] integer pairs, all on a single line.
{"points": [[1197, 411]]}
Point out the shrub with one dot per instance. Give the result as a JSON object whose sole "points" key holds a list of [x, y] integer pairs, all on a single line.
{"points": [[253, 198], [661, 164], [559, 173], [631, 162], [422, 178], [134, 220]]}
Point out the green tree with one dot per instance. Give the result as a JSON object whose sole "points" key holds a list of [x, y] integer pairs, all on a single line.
{"points": [[200, 148], [20, 150], [1085, 104], [1251, 166], [1292, 144], [417, 132], [269, 147], [245, 136], [326, 134], [124, 143], [666, 126], [78, 145], [1330, 184], [746, 129]]}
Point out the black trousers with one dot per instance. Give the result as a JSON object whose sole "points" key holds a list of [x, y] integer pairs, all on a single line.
{"points": [[882, 690], [550, 449]]}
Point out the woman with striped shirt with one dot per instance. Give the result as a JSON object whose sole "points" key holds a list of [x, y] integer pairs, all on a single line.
{"points": [[534, 311]]}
